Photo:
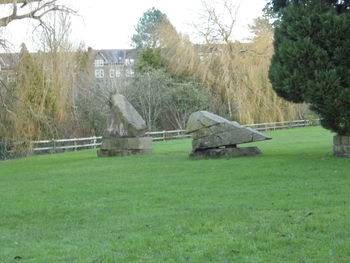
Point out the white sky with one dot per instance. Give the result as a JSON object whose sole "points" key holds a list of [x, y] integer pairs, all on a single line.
{"points": [[107, 24]]}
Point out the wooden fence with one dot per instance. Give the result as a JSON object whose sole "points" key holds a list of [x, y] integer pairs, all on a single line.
{"points": [[61, 145]]}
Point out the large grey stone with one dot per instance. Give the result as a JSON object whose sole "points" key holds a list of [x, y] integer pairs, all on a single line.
{"points": [[214, 136], [202, 119], [125, 130], [124, 120], [209, 131]]}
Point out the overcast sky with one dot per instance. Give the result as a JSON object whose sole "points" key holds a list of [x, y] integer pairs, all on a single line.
{"points": [[106, 24]]}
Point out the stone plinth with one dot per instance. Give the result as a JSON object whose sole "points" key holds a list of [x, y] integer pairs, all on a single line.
{"points": [[112, 146], [341, 146], [226, 152]]}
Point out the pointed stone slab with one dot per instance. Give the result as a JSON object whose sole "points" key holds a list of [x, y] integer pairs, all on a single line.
{"points": [[209, 130], [203, 119], [124, 120]]}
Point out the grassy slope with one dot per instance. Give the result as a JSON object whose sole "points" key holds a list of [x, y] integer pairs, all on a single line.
{"points": [[290, 204]]}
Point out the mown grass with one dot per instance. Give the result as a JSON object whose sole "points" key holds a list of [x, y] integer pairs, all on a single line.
{"points": [[290, 204]]}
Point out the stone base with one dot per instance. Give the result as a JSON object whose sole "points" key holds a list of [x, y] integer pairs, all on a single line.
{"points": [[111, 153], [341, 146], [225, 152], [119, 146]]}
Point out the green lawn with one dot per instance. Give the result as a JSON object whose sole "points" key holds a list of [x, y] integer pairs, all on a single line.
{"points": [[290, 204]]}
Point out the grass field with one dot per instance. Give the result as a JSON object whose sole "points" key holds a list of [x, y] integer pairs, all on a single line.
{"points": [[290, 204]]}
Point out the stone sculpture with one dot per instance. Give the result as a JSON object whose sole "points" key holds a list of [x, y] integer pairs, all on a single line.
{"points": [[214, 136], [125, 133]]}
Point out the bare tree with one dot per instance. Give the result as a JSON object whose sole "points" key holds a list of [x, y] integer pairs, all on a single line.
{"points": [[14, 10], [216, 27], [32, 9], [217, 21], [150, 95]]}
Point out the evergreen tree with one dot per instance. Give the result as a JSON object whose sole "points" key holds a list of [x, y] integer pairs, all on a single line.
{"points": [[148, 60], [146, 29], [311, 61], [147, 39], [36, 102]]}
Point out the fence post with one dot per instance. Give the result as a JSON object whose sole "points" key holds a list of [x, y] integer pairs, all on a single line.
{"points": [[94, 142], [163, 135], [75, 144], [54, 145]]}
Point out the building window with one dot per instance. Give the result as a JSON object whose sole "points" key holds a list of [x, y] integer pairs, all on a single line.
{"points": [[130, 71], [129, 62], [99, 73], [11, 78], [118, 72], [98, 63], [111, 73]]}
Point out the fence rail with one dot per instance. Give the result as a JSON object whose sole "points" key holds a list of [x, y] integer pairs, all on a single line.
{"points": [[61, 145]]}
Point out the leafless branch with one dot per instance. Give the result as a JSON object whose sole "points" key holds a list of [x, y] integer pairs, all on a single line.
{"points": [[36, 12], [217, 23]]}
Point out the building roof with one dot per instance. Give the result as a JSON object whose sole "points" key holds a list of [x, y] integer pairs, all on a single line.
{"points": [[8, 60], [114, 56]]}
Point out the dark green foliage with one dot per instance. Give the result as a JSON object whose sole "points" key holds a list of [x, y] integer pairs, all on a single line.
{"points": [[311, 62], [148, 59], [339, 5]]}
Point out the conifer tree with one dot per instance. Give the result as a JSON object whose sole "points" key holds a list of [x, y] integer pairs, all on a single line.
{"points": [[311, 61]]}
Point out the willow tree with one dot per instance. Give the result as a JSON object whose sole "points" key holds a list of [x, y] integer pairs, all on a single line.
{"points": [[236, 72], [57, 56]]}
